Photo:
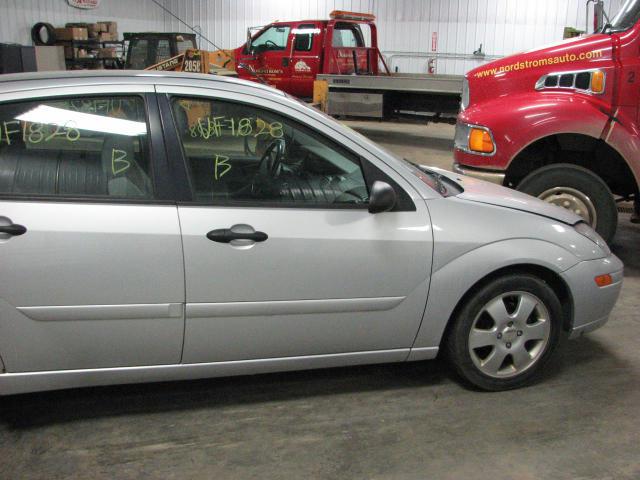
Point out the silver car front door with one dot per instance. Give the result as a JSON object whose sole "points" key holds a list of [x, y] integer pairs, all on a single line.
{"points": [[92, 272], [282, 258]]}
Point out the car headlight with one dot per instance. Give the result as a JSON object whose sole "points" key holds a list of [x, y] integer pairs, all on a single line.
{"points": [[465, 94], [474, 139], [585, 229]]}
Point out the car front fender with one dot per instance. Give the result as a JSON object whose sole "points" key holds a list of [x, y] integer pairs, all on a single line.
{"points": [[451, 281]]}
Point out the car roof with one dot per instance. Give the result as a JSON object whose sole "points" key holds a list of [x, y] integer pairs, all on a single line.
{"points": [[27, 81]]}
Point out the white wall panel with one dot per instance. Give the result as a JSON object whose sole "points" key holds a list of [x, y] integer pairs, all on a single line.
{"points": [[502, 26], [18, 16]]}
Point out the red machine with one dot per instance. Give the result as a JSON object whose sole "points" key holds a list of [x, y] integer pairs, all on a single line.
{"points": [[561, 122], [289, 55]]}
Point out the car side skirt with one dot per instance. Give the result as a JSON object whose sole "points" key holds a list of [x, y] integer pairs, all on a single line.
{"points": [[14, 383]]}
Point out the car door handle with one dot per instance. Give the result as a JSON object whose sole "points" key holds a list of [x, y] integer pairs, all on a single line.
{"points": [[14, 229], [225, 235]]}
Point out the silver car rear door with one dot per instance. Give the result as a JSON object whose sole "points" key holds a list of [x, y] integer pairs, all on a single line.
{"points": [[97, 280]]}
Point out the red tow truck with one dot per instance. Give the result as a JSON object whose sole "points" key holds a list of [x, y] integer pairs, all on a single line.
{"points": [[289, 55], [561, 123], [343, 54], [336, 62]]}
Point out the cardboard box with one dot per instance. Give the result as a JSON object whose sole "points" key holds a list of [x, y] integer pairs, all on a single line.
{"points": [[107, 37], [67, 34], [50, 58], [92, 28], [107, 53], [111, 27]]}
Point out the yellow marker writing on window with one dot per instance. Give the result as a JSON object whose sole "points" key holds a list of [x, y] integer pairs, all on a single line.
{"points": [[220, 167], [119, 164]]}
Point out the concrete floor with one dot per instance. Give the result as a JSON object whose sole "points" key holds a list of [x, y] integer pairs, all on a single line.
{"points": [[411, 421]]}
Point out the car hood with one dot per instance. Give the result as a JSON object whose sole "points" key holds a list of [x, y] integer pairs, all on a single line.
{"points": [[485, 192]]}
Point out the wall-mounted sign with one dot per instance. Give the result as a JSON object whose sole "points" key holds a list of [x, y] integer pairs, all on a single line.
{"points": [[86, 4]]}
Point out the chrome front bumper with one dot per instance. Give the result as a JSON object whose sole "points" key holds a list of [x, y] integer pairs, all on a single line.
{"points": [[487, 176]]}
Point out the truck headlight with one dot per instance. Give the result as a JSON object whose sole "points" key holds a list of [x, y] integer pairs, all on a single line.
{"points": [[474, 139], [584, 229], [465, 94]]}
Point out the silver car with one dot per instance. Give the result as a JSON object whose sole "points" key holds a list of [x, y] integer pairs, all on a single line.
{"points": [[171, 226]]}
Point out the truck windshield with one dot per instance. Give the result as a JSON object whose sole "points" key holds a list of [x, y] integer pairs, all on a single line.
{"points": [[273, 38], [626, 17]]}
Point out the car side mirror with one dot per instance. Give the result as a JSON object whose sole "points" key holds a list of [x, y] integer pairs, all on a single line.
{"points": [[382, 198]]}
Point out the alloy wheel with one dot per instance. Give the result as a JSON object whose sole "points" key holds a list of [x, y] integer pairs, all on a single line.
{"points": [[510, 334]]}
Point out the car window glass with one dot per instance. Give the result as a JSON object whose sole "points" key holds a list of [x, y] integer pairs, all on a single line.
{"points": [[237, 152], [304, 37], [87, 146], [273, 38]]}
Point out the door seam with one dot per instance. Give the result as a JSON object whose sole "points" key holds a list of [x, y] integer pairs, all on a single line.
{"points": [[184, 287]]}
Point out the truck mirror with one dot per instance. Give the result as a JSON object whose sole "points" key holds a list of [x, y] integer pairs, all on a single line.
{"points": [[248, 46]]}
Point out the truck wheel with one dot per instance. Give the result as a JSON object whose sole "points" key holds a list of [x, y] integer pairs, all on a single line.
{"points": [[577, 189], [505, 333]]}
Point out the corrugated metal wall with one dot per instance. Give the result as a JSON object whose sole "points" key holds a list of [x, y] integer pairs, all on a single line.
{"points": [[502, 26], [18, 16]]}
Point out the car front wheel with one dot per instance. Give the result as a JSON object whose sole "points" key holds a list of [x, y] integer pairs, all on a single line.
{"points": [[505, 332]]}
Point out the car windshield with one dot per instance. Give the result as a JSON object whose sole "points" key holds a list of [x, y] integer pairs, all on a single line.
{"points": [[626, 17]]}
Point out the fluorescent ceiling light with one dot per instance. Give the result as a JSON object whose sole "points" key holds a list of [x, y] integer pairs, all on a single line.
{"points": [[83, 121]]}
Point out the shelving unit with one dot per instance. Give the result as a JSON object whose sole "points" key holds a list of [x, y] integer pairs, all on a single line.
{"points": [[92, 46]]}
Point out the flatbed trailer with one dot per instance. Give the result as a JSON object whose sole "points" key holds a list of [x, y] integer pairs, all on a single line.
{"points": [[391, 96]]}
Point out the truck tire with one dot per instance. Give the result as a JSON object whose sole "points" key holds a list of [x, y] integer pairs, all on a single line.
{"points": [[505, 333], [577, 189]]}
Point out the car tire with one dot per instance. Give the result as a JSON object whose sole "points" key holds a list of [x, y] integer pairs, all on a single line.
{"points": [[479, 365], [576, 188]]}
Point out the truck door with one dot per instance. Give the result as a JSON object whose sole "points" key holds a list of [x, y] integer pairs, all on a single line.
{"points": [[269, 56], [305, 58], [352, 50]]}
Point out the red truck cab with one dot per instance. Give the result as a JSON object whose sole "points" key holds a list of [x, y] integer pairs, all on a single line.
{"points": [[560, 122], [289, 55]]}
